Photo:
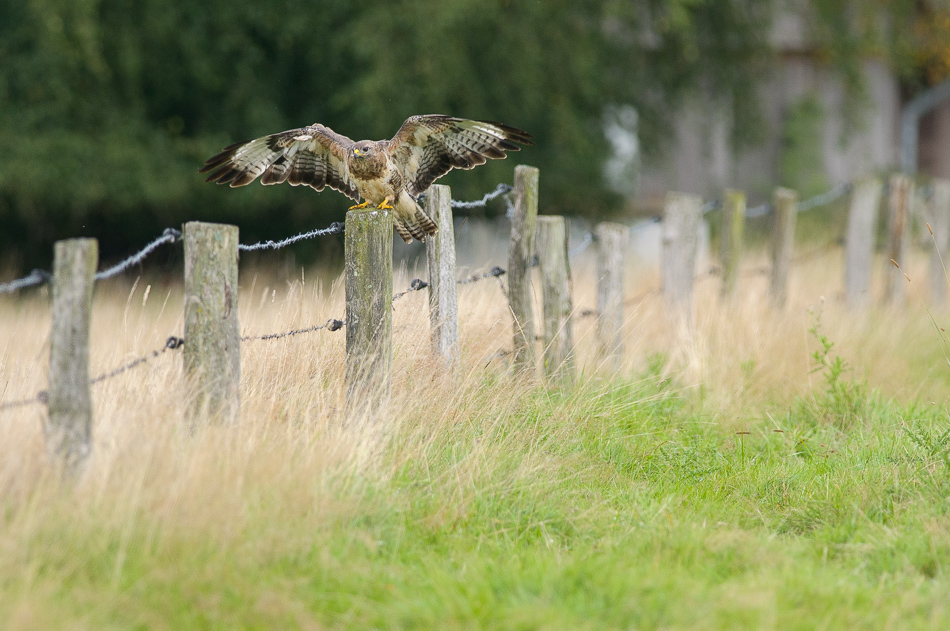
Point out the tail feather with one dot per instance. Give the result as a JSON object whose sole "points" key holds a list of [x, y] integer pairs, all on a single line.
{"points": [[414, 224]]}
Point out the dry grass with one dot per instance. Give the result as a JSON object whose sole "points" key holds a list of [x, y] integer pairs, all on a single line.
{"points": [[181, 510]]}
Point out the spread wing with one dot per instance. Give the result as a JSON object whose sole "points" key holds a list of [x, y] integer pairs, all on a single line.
{"points": [[313, 156], [427, 147]]}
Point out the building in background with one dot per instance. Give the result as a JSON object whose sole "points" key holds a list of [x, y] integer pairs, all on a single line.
{"points": [[808, 141]]}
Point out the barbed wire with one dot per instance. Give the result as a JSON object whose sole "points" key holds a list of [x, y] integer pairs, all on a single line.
{"points": [[337, 227], [583, 245], [764, 209], [171, 344], [417, 284], [500, 189], [39, 276], [710, 206], [825, 198], [10, 405], [494, 272], [36, 277], [169, 236], [331, 325], [758, 211]]}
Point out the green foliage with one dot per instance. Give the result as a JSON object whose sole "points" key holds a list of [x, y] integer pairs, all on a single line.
{"points": [[604, 510], [801, 164], [843, 403], [107, 107]]}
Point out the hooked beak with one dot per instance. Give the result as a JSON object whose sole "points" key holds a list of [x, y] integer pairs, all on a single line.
{"points": [[356, 152]]}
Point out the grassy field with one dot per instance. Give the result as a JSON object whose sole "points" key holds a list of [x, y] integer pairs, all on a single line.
{"points": [[729, 478]]}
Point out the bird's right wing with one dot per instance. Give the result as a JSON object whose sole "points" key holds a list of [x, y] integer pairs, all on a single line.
{"points": [[312, 156]]}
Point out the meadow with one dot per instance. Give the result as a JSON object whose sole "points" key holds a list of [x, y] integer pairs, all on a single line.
{"points": [[762, 470]]}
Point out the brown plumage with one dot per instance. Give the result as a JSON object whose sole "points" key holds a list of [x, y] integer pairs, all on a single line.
{"points": [[385, 173]]}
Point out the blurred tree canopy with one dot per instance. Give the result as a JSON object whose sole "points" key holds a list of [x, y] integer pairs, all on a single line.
{"points": [[108, 107]]}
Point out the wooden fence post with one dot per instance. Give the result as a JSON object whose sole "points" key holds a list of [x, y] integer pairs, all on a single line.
{"points": [[859, 240], [68, 430], [520, 262], [783, 243], [612, 241], [212, 354], [443, 295], [557, 299], [368, 274], [940, 225], [898, 238], [682, 215], [733, 228]]}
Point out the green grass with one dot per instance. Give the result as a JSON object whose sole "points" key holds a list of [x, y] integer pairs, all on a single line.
{"points": [[768, 471], [616, 506]]}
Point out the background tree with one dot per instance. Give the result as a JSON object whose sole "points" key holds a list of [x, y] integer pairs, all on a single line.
{"points": [[107, 107]]}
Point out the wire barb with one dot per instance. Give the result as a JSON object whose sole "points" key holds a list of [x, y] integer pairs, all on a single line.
{"points": [[171, 344], [494, 272], [331, 325], [416, 285], [169, 236]]}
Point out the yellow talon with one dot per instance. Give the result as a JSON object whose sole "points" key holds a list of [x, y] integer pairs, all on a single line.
{"points": [[363, 205], [385, 205]]}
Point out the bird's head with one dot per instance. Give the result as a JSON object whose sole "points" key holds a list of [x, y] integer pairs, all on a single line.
{"points": [[364, 149]]}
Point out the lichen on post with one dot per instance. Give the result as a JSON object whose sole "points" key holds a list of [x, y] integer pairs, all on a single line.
{"points": [[369, 320], [68, 429], [443, 294], [557, 300], [520, 262], [212, 353]]}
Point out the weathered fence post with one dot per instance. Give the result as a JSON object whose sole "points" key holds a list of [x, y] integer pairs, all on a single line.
{"points": [[369, 313], [859, 240], [940, 225], [612, 241], [783, 243], [557, 299], [733, 228], [212, 353], [68, 430], [440, 259], [898, 238], [682, 215], [520, 262]]}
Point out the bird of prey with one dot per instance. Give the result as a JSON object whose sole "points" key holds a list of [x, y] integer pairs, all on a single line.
{"points": [[389, 174]]}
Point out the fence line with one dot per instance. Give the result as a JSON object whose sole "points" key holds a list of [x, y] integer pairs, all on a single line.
{"points": [[369, 314], [171, 235]]}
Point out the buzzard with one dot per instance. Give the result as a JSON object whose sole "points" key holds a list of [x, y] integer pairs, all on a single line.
{"points": [[389, 174]]}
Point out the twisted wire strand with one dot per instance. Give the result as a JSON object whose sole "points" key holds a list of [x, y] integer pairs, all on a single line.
{"points": [[36, 277], [172, 343], [331, 325], [169, 236], [336, 227], [825, 198], [583, 245], [500, 189]]}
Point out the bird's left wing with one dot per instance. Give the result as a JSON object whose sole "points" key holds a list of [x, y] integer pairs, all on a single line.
{"points": [[312, 156], [427, 147]]}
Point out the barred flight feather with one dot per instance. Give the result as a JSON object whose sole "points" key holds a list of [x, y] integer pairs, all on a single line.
{"points": [[396, 171]]}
